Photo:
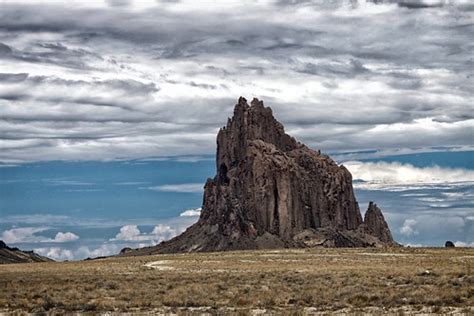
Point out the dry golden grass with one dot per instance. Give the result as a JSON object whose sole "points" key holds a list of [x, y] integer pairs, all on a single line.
{"points": [[286, 281]]}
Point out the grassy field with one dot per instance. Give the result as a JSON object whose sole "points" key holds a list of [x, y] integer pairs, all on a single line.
{"points": [[286, 281]]}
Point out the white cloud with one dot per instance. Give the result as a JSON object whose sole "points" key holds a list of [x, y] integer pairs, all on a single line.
{"points": [[413, 245], [192, 159], [163, 231], [343, 156], [132, 233], [55, 253], [61, 254], [463, 244], [389, 175], [128, 232], [131, 183], [62, 220], [432, 227], [6, 165], [23, 235], [65, 237], [192, 212], [408, 228], [104, 250], [29, 235], [66, 182], [180, 188]]}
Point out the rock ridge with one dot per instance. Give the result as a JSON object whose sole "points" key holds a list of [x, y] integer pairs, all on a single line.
{"points": [[15, 255]]}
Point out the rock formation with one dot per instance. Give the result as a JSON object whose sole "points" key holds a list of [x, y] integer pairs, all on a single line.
{"points": [[376, 225], [271, 191], [15, 255]]}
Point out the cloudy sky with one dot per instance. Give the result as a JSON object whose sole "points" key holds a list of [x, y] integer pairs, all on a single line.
{"points": [[125, 81]]}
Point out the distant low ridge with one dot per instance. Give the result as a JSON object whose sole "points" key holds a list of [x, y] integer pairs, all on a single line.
{"points": [[15, 255], [271, 191]]}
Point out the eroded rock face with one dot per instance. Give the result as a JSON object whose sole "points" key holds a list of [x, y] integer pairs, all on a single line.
{"points": [[268, 182], [271, 191]]}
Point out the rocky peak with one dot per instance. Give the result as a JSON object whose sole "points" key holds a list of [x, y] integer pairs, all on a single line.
{"points": [[2, 244], [249, 123], [376, 224]]}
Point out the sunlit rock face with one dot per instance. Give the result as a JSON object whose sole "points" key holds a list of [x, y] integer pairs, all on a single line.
{"points": [[271, 191]]}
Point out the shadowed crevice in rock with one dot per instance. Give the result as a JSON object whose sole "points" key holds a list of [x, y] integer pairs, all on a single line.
{"points": [[271, 191]]}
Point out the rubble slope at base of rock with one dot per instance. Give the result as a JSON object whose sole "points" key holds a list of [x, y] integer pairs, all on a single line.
{"points": [[271, 191]]}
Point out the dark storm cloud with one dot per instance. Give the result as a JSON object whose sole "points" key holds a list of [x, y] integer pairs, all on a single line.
{"points": [[52, 53], [12, 78], [409, 4], [339, 74], [202, 85], [5, 50], [350, 69], [418, 4], [176, 36], [404, 81], [100, 92], [119, 3]]}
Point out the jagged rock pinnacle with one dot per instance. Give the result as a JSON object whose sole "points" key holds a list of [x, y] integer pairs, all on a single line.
{"points": [[249, 123], [376, 224]]}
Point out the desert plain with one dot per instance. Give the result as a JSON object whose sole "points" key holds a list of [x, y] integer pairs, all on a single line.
{"points": [[300, 282]]}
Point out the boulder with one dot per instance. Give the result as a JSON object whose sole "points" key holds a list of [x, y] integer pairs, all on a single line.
{"points": [[126, 250], [449, 244]]}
